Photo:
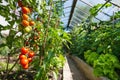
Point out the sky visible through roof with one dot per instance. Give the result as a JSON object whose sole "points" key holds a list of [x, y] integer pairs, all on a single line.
{"points": [[80, 5], [85, 8]]}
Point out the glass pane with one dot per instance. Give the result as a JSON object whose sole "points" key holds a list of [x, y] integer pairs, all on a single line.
{"points": [[67, 10], [76, 18], [94, 2], [95, 20], [102, 16], [111, 10], [117, 2], [68, 3], [80, 16], [83, 6]]}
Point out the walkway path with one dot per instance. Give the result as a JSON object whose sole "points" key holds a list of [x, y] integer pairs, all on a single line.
{"points": [[71, 67]]}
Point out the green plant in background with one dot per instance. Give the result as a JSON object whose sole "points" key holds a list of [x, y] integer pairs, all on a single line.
{"points": [[105, 65], [115, 16], [91, 57], [90, 46], [96, 7]]}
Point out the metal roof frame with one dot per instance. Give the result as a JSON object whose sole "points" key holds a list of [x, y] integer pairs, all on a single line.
{"points": [[78, 17], [87, 13], [113, 4], [100, 8], [72, 11]]}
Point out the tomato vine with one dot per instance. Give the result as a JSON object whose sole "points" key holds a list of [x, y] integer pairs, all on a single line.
{"points": [[32, 24]]}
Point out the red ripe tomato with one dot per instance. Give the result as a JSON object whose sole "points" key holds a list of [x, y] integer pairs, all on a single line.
{"points": [[25, 66], [21, 56], [30, 60], [25, 10], [25, 17], [25, 23], [24, 50], [23, 61], [31, 54], [31, 23]]}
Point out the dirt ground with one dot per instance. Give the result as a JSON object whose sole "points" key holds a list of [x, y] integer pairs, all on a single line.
{"points": [[17, 73]]}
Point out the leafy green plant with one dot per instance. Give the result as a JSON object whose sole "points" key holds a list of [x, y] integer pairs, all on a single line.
{"points": [[105, 66], [89, 46], [91, 57], [96, 7]]}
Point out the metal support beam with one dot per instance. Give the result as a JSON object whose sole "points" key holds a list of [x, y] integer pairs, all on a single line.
{"points": [[101, 6], [72, 11]]}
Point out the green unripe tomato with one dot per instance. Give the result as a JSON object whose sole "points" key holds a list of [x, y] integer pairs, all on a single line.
{"points": [[28, 29]]}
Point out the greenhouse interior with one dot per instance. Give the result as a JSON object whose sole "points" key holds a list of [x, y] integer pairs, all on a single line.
{"points": [[59, 39]]}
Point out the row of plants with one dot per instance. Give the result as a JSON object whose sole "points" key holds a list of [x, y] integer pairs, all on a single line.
{"points": [[98, 45], [35, 37]]}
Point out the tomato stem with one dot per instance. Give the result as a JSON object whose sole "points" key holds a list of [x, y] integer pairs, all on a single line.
{"points": [[10, 69]]}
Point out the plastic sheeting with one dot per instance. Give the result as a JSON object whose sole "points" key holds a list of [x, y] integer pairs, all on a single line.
{"points": [[81, 11]]}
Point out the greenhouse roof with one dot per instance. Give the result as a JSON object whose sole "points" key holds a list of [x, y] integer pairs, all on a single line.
{"points": [[75, 11]]}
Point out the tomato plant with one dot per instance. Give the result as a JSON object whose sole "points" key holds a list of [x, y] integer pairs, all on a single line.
{"points": [[45, 37]]}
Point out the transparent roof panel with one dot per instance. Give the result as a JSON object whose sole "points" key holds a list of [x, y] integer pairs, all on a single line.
{"points": [[102, 16], [65, 18], [81, 11], [95, 20], [83, 6], [68, 3], [93, 2], [111, 10], [117, 2], [76, 20], [67, 9], [79, 15]]}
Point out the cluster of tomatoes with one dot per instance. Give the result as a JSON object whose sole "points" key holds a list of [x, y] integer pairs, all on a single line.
{"points": [[26, 57], [27, 22]]}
